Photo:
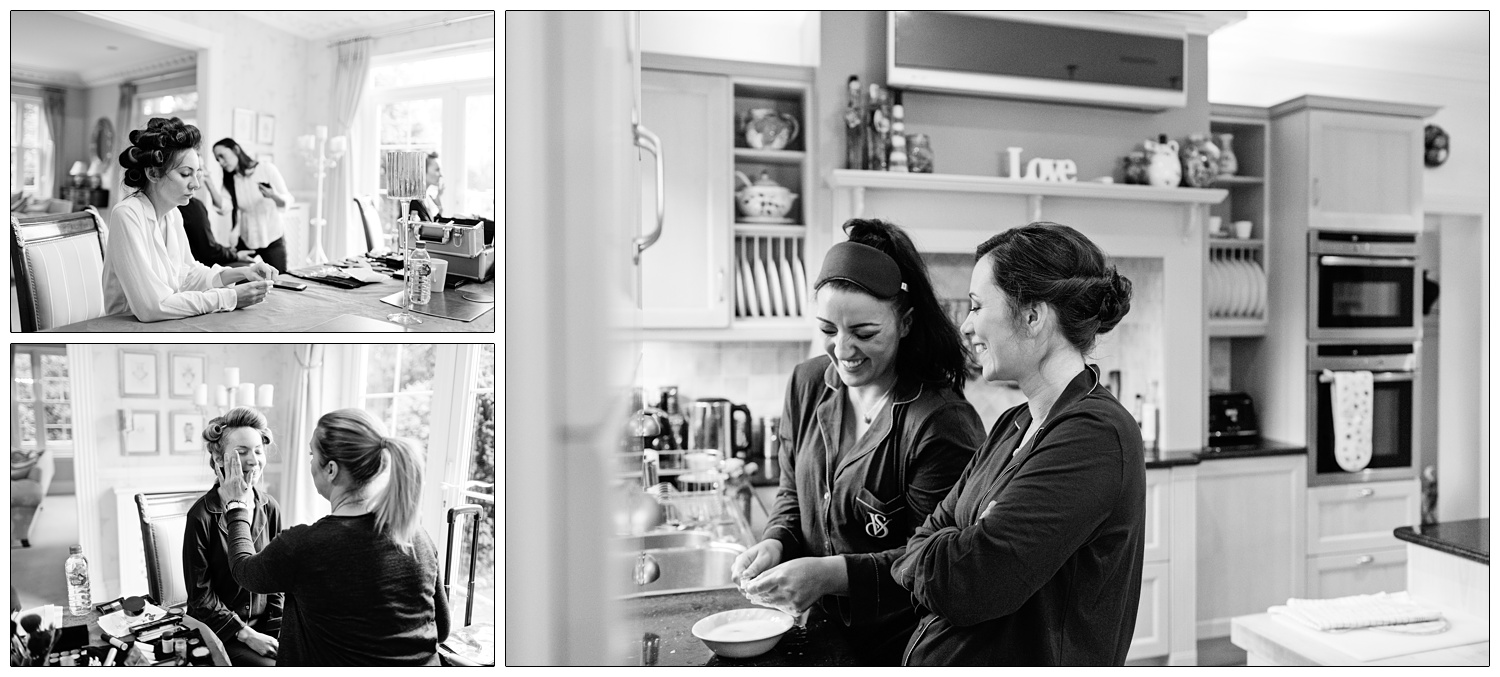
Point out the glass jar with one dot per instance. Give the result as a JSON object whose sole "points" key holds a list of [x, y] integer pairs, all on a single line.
{"points": [[919, 153]]}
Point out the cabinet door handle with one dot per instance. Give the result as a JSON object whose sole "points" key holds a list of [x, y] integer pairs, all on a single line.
{"points": [[722, 292], [1366, 493], [1365, 559], [1317, 194], [651, 143]]}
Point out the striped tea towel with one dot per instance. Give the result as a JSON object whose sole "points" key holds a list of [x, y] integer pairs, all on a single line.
{"points": [[1353, 400], [1356, 611]]}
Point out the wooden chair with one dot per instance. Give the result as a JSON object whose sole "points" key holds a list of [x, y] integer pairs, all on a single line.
{"points": [[57, 264], [163, 524], [370, 216]]}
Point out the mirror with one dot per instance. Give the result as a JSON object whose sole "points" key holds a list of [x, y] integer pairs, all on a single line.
{"points": [[104, 139]]}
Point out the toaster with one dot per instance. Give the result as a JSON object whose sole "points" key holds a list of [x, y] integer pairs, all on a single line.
{"points": [[1231, 420]]}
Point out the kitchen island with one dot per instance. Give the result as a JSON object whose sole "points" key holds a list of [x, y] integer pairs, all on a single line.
{"points": [[671, 619]]}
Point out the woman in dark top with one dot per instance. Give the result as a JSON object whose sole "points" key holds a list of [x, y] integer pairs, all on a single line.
{"points": [[247, 623], [200, 233], [361, 584], [1035, 556], [877, 430]]}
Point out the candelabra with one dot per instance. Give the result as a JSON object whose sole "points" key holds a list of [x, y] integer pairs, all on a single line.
{"points": [[322, 154], [235, 394], [405, 180]]}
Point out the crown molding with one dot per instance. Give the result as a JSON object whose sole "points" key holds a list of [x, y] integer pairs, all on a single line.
{"points": [[115, 74], [44, 76], [1196, 23]]}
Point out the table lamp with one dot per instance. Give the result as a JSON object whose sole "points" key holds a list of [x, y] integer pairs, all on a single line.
{"points": [[77, 172], [405, 180]]}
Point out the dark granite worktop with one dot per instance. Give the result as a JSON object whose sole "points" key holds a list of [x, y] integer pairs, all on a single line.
{"points": [[1166, 458], [1469, 539], [671, 618]]}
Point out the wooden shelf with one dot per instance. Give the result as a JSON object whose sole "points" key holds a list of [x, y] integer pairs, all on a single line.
{"points": [[770, 229], [1234, 243], [1237, 180], [861, 178], [1228, 328], [779, 157]]}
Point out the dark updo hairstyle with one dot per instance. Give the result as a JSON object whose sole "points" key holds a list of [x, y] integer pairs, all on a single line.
{"points": [[160, 146], [932, 351], [1045, 262]]}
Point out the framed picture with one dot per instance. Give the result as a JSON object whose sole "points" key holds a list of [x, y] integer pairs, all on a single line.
{"points": [[187, 370], [138, 434], [185, 430], [266, 131], [138, 373], [244, 125]]}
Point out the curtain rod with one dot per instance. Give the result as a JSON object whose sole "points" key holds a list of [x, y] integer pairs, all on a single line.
{"points": [[412, 28]]}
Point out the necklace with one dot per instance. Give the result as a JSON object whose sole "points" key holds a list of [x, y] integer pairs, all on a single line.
{"points": [[875, 410]]}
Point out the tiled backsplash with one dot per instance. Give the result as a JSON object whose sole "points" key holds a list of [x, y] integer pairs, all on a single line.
{"points": [[751, 373]]}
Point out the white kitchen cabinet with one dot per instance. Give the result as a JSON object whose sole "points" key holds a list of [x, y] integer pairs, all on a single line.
{"points": [[1164, 619], [1251, 537], [1350, 164], [685, 276], [1358, 572], [1152, 619]]}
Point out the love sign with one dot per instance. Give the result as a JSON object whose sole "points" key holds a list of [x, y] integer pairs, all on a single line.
{"points": [[1042, 169]]}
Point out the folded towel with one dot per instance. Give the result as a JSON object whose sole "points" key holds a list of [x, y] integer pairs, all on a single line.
{"points": [[1356, 611], [1353, 400]]}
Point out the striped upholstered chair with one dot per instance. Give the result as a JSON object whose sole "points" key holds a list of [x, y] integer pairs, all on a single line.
{"points": [[57, 264]]}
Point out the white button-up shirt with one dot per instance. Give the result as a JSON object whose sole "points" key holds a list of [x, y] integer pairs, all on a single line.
{"points": [[260, 218], [149, 270]]}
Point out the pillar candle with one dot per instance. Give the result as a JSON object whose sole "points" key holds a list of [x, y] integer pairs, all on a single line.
{"points": [[307, 142], [232, 376], [221, 397], [337, 145], [246, 395], [321, 131], [263, 395], [200, 395]]}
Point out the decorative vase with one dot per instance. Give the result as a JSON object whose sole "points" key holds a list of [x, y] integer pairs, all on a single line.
{"points": [[1200, 161], [1137, 168], [1163, 170], [1228, 163], [919, 153]]}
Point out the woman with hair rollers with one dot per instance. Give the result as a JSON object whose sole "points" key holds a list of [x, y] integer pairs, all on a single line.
{"points": [[362, 584]]}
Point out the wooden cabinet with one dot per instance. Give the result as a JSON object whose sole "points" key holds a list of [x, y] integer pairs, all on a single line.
{"points": [[1252, 545], [1237, 271], [1350, 164], [1351, 547], [685, 275], [1152, 618], [1164, 619], [716, 274]]}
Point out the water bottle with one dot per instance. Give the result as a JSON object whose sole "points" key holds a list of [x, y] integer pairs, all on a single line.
{"points": [[419, 275], [76, 570]]}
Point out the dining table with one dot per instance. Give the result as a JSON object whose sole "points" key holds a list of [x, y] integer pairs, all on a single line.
{"points": [[318, 308], [89, 620]]}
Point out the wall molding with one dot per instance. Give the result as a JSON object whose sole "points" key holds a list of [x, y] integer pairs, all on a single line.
{"points": [[23, 73], [115, 74]]}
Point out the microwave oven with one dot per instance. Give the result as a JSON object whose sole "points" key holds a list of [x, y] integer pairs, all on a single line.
{"points": [[1393, 413], [1363, 286]]}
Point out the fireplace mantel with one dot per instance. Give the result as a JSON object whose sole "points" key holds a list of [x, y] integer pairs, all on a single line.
{"points": [[949, 213]]}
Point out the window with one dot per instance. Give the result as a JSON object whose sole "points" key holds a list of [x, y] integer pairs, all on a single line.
{"points": [[179, 103], [443, 103], [42, 406], [444, 396], [30, 147]]}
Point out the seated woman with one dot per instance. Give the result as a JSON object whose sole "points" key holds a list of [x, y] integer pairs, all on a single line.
{"points": [[200, 233], [247, 623], [362, 584], [149, 270], [430, 207]]}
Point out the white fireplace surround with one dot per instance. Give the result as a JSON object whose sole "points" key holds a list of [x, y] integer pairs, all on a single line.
{"points": [[947, 213]]}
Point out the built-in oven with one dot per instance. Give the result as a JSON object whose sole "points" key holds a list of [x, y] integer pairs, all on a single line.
{"points": [[1363, 286], [1392, 410]]}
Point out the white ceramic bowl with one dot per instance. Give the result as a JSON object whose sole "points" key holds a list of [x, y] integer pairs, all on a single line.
{"points": [[742, 633]]}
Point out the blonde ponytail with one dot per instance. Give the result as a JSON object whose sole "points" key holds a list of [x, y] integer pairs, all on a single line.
{"points": [[391, 467], [395, 505]]}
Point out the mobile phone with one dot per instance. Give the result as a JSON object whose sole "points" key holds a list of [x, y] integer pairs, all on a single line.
{"points": [[265, 184], [288, 284]]}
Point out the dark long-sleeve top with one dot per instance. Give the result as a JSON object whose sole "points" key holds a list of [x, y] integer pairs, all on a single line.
{"points": [[200, 235], [353, 596], [213, 595], [1052, 574], [863, 498]]}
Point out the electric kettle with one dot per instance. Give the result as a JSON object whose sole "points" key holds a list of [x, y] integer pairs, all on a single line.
{"points": [[713, 425]]}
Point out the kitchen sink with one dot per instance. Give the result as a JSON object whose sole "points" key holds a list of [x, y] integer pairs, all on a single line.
{"points": [[683, 569], [668, 539]]}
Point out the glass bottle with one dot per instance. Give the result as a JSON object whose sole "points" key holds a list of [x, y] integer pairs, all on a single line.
{"points": [[76, 571], [854, 127], [419, 275], [676, 421]]}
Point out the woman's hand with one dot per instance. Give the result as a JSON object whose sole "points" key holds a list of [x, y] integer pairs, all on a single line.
{"points": [[271, 194], [799, 583], [244, 255], [250, 293], [232, 484], [758, 558], [262, 644]]}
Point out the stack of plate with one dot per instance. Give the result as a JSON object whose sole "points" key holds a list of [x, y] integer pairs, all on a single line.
{"points": [[769, 279], [1236, 284]]}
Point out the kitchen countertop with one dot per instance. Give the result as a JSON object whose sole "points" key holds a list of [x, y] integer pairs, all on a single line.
{"points": [[1166, 458], [1264, 448], [671, 618], [1469, 539]]}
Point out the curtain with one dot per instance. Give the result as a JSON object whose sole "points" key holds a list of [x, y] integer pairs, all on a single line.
{"points": [[302, 504], [344, 233], [52, 113], [123, 122]]}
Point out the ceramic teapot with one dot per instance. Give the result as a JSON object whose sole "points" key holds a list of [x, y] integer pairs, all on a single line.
{"points": [[1163, 169], [768, 129], [763, 198]]}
